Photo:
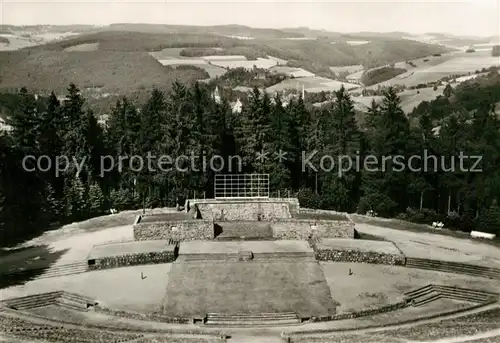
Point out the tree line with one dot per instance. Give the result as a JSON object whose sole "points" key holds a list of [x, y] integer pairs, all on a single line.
{"points": [[188, 121]]}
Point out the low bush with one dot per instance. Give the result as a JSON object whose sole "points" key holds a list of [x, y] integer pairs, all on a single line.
{"points": [[423, 216], [308, 199]]}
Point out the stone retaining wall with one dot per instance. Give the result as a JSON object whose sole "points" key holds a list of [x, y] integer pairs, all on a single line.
{"points": [[133, 260], [154, 317], [292, 334], [181, 230], [264, 210], [357, 256], [303, 229], [363, 313]]}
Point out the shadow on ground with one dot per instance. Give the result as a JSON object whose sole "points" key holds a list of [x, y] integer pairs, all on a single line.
{"points": [[18, 266]]}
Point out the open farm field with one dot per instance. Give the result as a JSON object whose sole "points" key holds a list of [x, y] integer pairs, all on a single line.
{"points": [[347, 69], [437, 68], [261, 63], [15, 43], [311, 84], [292, 72], [410, 98]]}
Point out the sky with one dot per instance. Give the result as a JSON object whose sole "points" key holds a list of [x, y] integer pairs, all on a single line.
{"points": [[474, 17]]}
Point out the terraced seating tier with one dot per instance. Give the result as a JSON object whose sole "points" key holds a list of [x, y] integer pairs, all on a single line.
{"points": [[261, 319], [54, 271], [453, 267], [431, 293], [32, 301], [77, 336], [61, 298]]}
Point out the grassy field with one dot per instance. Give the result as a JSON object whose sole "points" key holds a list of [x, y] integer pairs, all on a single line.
{"points": [[247, 287]]}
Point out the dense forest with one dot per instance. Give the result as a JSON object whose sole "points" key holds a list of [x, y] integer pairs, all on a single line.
{"points": [[188, 121]]}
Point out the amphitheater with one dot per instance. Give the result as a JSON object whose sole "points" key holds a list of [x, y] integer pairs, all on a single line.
{"points": [[255, 270]]}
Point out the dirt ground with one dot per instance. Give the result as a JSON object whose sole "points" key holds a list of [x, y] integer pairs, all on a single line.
{"points": [[121, 288], [436, 246], [378, 285]]}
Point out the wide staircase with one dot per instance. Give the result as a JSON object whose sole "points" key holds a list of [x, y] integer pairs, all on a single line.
{"points": [[60, 298], [453, 267], [32, 301], [52, 271], [250, 320], [430, 293], [238, 231], [252, 338]]}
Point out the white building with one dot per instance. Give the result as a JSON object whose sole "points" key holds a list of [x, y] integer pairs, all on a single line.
{"points": [[216, 95], [237, 106]]}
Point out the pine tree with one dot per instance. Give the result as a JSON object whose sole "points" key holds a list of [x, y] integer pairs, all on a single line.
{"points": [[95, 200], [384, 189]]}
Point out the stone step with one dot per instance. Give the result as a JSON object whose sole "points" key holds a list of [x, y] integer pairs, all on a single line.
{"points": [[416, 259], [250, 316], [74, 301], [427, 299], [57, 270], [438, 266], [470, 270], [430, 293], [463, 290], [243, 238], [477, 299], [64, 272], [420, 291], [253, 339], [252, 323], [32, 301], [445, 270], [70, 305]]}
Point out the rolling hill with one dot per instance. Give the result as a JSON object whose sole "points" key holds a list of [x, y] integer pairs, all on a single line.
{"points": [[118, 58], [110, 71]]}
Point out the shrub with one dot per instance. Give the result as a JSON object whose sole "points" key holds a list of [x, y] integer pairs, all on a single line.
{"points": [[489, 220], [452, 220], [380, 203], [423, 216], [308, 199]]}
